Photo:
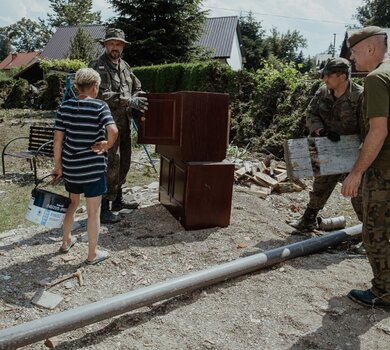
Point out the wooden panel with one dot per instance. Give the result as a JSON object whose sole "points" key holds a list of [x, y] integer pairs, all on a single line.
{"points": [[178, 188], [336, 157], [160, 124], [204, 128], [165, 173], [208, 195], [320, 156], [297, 158]]}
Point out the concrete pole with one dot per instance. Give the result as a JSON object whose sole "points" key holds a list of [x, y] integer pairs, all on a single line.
{"points": [[33, 331]]}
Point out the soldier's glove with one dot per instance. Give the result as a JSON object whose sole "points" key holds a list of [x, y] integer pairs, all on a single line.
{"points": [[139, 103], [331, 135]]}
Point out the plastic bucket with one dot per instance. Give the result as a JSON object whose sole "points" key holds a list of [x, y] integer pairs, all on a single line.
{"points": [[47, 208]]}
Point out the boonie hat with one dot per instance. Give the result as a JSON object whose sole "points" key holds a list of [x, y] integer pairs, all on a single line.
{"points": [[335, 65], [114, 34], [363, 34]]}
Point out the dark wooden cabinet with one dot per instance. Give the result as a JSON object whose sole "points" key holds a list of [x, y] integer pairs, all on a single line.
{"points": [[190, 130], [198, 194], [188, 126]]}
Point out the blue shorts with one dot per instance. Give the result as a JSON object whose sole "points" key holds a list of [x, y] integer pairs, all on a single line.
{"points": [[91, 189]]}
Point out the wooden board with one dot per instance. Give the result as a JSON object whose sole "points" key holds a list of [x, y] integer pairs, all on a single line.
{"points": [[297, 158], [320, 156]]}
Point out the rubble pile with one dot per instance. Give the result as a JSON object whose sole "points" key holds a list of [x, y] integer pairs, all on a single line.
{"points": [[263, 177]]}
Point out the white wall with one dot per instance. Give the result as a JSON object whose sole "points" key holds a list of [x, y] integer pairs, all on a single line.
{"points": [[235, 60]]}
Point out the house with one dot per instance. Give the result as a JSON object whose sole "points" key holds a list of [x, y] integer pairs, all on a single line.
{"points": [[346, 53], [18, 60], [222, 36], [59, 44]]}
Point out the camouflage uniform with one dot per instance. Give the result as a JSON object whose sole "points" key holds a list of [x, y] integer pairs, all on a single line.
{"points": [[342, 115], [376, 236], [118, 79]]}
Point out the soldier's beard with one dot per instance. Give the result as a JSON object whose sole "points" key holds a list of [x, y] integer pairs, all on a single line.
{"points": [[114, 54]]}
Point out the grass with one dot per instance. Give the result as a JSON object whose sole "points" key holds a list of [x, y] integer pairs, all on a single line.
{"points": [[17, 185], [15, 199]]}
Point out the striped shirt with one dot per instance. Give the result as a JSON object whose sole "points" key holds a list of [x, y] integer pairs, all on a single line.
{"points": [[83, 122]]}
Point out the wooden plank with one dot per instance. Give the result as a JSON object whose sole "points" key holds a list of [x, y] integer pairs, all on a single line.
{"points": [[336, 157], [297, 158], [265, 179], [320, 156]]}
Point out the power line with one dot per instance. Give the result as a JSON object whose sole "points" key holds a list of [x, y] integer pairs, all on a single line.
{"points": [[282, 16]]}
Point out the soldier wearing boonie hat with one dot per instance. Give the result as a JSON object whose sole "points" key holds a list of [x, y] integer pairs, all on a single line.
{"points": [[119, 88], [372, 168]]}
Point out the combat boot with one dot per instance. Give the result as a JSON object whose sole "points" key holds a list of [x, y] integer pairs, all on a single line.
{"points": [[120, 203], [106, 215], [308, 221]]}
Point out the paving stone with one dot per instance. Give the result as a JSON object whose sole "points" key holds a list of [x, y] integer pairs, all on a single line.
{"points": [[46, 299]]}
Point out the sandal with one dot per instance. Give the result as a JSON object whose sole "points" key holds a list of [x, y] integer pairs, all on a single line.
{"points": [[100, 256], [63, 250]]}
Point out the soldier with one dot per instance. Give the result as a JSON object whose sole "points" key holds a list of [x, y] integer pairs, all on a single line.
{"points": [[369, 51], [120, 89], [334, 110]]}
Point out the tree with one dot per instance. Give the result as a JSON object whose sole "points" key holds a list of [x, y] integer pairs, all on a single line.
{"points": [[72, 13], [374, 12], [284, 46], [82, 46], [27, 35], [252, 35], [160, 31], [5, 45]]}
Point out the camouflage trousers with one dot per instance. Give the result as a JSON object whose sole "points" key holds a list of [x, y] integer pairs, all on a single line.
{"points": [[323, 187], [119, 156], [376, 228]]}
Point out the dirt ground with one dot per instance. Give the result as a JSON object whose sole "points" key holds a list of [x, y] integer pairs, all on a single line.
{"points": [[298, 304]]}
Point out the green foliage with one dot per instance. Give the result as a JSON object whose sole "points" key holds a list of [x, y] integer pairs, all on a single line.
{"points": [[19, 97], [204, 76], [72, 13], [160, 31], [374, 13], [51, 98], [82, 46], [252, 35], [64, 65], [5, 45], [4, 76], [27, 35], [282, 46]]}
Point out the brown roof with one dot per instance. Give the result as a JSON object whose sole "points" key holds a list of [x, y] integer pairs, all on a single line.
{"points": [[16, 60]]}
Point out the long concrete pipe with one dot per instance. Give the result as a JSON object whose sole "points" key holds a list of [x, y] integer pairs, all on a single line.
{"points": [[33, 331]]}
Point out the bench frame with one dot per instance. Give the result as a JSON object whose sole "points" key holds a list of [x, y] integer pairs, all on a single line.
{"points": [[40, 143]]}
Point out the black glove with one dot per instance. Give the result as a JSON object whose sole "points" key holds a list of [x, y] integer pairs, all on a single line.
{"points": [[331, 135]]}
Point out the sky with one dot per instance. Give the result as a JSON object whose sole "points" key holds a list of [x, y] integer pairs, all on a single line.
{"points": [[319, 21]]}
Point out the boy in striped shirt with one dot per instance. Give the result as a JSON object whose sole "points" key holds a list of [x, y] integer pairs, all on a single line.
{"points": [[85, 130]]}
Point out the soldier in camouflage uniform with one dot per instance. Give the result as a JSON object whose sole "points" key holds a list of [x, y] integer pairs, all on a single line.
{"points": [[119, 88], [334, 110], [369, 51]]}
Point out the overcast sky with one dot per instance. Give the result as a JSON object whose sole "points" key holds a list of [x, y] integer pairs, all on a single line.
{"points": [[316, 20]]}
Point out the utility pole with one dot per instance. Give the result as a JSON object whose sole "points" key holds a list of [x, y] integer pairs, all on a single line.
{"points": [[334, 44]]}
